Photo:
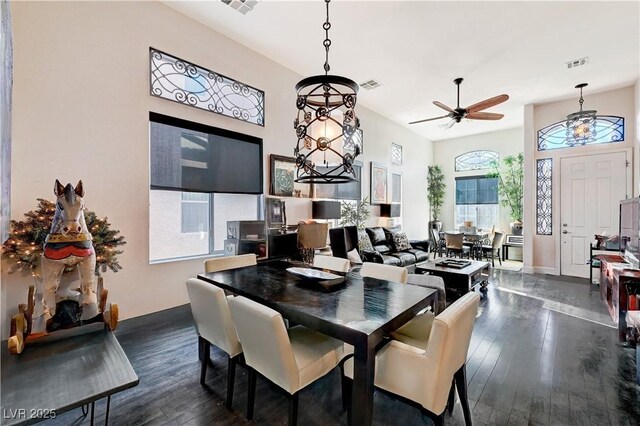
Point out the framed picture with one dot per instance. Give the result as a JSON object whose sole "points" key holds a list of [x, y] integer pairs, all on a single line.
{"points": [[396, 187], [283, 174], [275, 211], [378, 184]]}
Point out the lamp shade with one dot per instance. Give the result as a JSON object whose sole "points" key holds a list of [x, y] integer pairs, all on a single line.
{"points": [[325, 210], [389, 210]]}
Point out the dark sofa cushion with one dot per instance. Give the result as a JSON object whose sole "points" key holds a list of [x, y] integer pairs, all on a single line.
{"points": [[405, 257], [391, 260], [383, 248], [420, 255], [377, 235]]}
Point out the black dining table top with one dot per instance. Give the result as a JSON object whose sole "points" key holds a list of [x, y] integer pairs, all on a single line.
{"points": [[361, 307]]}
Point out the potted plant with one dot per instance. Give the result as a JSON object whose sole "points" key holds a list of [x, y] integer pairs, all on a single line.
{"points": [[354, 213], [435, 195], [510, 187]]}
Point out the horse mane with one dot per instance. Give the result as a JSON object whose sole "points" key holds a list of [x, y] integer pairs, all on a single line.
{"points": [[69, 193]]}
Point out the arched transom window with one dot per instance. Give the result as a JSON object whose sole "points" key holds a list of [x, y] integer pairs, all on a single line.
{"points": [[608, 129], [475, 160]]}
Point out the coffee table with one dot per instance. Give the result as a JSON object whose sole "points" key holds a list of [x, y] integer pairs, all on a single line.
{"points": [[457, 282]]}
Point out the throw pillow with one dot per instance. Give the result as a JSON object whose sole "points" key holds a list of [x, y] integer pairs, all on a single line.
{"points": [[354, 257], [401, 241], [364, 242]]}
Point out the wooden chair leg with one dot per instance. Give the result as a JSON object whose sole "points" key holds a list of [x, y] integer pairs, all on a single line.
{"points": [[231, 376], [293, 409], [452, 397], [206, 346], [461, 384], [251, 398], [493, 262]]}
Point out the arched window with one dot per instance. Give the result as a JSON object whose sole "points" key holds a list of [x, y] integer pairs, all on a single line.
{"points": [[475, 160], [608, 129]]}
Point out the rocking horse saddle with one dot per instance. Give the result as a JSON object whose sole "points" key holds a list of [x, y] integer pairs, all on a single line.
{"points": [[58, 251]]}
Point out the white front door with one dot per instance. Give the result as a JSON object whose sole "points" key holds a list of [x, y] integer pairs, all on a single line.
{"points": [[591, 188]]}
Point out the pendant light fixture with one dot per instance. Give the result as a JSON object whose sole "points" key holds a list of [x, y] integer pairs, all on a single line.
{"points": [[581, 125], [326, 125]]}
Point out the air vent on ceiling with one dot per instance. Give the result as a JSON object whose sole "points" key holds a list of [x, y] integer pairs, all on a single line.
{"points": [[577, 62], [370, 84], [242, 6]]}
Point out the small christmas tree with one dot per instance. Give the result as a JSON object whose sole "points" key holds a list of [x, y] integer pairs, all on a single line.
{"points": [[25, 244]]}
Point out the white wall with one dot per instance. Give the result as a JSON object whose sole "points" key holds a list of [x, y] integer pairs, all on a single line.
{"points": [[81, 106], [544, 249], [505, 142]]}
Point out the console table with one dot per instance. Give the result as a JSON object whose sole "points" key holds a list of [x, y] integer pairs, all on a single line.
{"points": [[511, 241], [52, 377]]}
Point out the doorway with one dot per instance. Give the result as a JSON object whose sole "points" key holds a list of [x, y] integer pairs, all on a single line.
{"points": [[591, 188]]}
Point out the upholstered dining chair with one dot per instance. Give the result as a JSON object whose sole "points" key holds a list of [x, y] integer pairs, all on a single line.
{"points": [[311, 236], [291, 358], [454, 244], [229, 262], [337, 264], [214, 326], [428, 377], [494, 249], [384, 272]]}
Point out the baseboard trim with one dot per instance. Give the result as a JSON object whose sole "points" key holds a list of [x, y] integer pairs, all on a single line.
{"points": [[540, 270]]}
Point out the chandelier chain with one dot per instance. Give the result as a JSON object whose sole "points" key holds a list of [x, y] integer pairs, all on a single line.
{"points": [[327, 40]]}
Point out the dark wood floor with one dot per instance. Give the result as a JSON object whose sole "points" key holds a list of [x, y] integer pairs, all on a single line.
{"points": [[543, 352]]}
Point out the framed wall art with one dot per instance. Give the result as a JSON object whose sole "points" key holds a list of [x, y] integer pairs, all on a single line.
{"points": [[283, 174], [378, 183], [396, 187]]}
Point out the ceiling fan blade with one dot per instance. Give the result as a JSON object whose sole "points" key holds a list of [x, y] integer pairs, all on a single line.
{"points": [[484, 116], [487, 103], [443, 106], [429, 119]]}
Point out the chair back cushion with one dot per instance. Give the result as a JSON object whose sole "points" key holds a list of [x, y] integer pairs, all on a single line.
{"points": [[384, 272], [312, 234], [497, 240], [449, 343], [265, 341], [212, 316], [229, 262], [454, 241], [333, 263]]}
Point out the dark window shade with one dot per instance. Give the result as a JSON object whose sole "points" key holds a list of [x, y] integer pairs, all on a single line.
{"points": [[341, 191], [476, 190], [192, 157]]}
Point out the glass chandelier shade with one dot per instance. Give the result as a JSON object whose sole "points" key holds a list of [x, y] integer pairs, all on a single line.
{"points": [[325, 125], [581, 125]]}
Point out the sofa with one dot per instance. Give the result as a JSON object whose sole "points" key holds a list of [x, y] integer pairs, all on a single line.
{"points": [[389, 246]]}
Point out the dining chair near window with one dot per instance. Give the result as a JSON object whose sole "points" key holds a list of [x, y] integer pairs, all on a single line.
{"points": [[454, 243], [384, 272], [438, 243], [494, 249], [337, 264], [214, 325], [224, 263], [428, 377], [291, 358]]}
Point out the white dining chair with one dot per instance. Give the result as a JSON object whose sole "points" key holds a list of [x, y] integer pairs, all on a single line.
{"points": [[291, 358], [384, 272], [224, 263], [428, 376], [337, 264], [214, 325]]}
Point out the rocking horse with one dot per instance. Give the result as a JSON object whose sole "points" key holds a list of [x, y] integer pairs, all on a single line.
{"points": [[53, 306]]}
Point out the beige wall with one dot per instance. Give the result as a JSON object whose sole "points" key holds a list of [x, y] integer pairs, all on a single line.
{"points": [[505, 142], [544, 249], [81, 106]]}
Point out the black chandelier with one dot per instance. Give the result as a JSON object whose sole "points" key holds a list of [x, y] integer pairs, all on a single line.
{"points": [[581, 125], [326, 125]]}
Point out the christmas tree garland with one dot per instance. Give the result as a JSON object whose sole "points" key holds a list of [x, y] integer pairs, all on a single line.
{"points": [[25, 244]]}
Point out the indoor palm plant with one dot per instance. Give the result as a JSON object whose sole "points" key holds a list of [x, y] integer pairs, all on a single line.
{"points": [[435, 195], [511, 187], [354, 213]]}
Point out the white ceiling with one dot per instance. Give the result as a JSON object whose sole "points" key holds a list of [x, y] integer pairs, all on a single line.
{"points": [[416, 48]]}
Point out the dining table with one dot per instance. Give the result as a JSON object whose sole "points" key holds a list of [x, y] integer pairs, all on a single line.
{"points": [[357, 310], [473, 238]]}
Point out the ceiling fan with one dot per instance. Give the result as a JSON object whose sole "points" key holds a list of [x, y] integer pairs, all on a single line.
{"points": [[472, 112]]}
